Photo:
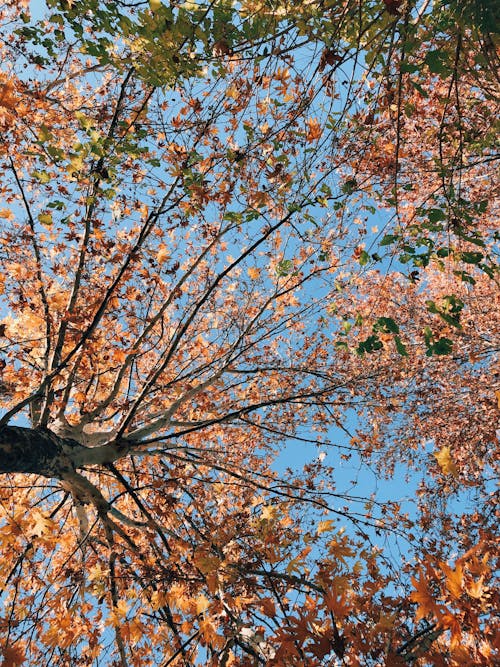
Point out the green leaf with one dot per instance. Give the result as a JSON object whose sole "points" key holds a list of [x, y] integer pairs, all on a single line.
{"points": [[400, 346], [436, 61], [284, 267], [465, 277], [371, 344], [364, 258], [471, 257], [44, 134], [441, 347], [386, 325], [388, 239], [444, 252], [349, 186], [436, 214]]}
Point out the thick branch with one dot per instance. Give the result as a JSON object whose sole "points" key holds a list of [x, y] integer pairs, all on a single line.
{"points": [[42, 452]]}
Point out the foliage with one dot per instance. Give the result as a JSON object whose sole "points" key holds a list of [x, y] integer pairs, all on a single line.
{"points": [[232, 234]]}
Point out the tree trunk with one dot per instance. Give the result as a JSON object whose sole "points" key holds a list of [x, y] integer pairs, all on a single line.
{"points": [[38, 451]]}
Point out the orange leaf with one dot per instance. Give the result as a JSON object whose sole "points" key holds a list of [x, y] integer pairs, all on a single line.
{"points": [[7, 97], [12, 656], [422, 595], [454, 579], [314, 130]]}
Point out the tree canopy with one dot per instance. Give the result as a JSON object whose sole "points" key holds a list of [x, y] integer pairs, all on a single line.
{"points": [[249, 250]]}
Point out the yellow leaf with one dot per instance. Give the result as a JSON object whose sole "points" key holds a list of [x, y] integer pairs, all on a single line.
{"points": [[97, 573], [42, 525], [154, 5], [45, 219], [202, 604], [445, 461], [162, 254], [269, 512], [232, 92], [323, 526], [121, 609], [208, 631], [158, 599], [497, 394]]}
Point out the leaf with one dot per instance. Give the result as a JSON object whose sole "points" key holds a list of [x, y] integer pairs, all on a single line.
{"points": [[269, 513], [207, 563], [44, 133], [441, 347], [8, 99], [284, 267], [13, 656], [386, 325], [314, 130], [371, 344], [364, 258], [253, 272], [202, 604], [471, 257], [445, 461], [163, 254], [454, 579], [324, 526], [400, 346], [349, 186], [437, 62], [43, 525], [436, 214], [42, 176], [6, 214], [423, 597], [388, 239], [45, 219]]}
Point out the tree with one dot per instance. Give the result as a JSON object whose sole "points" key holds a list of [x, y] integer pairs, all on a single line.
{"points": [[191, 282]]}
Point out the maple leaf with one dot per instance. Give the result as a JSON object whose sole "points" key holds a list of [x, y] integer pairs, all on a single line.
{"points": [[13, 656], [445, 461], [8, 99], [314, 129], [324, 526], [424, 598], [454, 579], [269, 513], [42, 525], [253, 272]]}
